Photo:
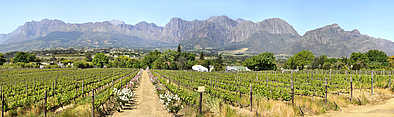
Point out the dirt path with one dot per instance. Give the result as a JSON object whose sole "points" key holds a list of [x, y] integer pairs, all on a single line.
{"points": [[381, 110], [147, 102]]}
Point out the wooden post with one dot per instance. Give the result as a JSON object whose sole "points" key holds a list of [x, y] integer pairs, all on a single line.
{"points": [[389, 80], [326, 93], [292, 88], [92, 102], [200, 106], [53, 88], [82, 87], [45, 103], [351, 87], [371, 82], [2, 102], [251, 97]]}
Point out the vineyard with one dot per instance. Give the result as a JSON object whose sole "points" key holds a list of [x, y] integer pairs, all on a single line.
{"points": [[109, 90], [234, 88], [54, 88]]}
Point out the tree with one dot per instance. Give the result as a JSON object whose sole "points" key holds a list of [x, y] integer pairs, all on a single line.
{"points": [[121, 62], [2, 59], [202, 55], [219, 63], [318, 62], [100, 60], [263, 61], [179, 48], [150, 58], [391, 61], [301, 59], [82, 64], [291, 63], [378, 58], [88, 57], [359, 60], [24, 57]]}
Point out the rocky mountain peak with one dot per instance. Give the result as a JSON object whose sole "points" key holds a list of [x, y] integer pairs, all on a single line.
{"points": [[116, 22], [222, 20], [328, 29], [277, 26], [146, 26], [355, 31]]}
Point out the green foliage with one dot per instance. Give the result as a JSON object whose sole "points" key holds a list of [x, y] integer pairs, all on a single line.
{"points": [[173, 60], [300, 60], [27, 65], [2, 59], [82, 64], [121, 62], [219, 63], [24, 57], [373, 59], [202, 55], [66, 62], [318, 62], [88, 57], [100, 60], [377, 58], [263, 61], [150, 58], [179, 49]]}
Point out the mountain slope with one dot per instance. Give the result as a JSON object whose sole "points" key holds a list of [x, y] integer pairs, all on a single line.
{"points": [[221, 32]]}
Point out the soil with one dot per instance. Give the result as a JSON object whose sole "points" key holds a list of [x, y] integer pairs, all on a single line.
{"points": [[380, 110], [147, 103]]}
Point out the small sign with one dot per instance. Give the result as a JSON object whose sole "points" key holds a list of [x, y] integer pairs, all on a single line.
{"points": [[201, 89]]}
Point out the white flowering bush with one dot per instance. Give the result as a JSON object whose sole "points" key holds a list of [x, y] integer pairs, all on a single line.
{"points": [[172, 102], [123, 95]]}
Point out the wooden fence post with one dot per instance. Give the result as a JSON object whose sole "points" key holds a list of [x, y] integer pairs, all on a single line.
{"points": [[292, 88], [2, 102], [251, 97], [351, 87], [82, 87], [92, 102], [45, 103], [326, 93], [371, 82], [200, 106], [389, 80]]}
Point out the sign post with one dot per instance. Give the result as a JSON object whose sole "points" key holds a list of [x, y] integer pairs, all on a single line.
{"points": [[201, 89]]}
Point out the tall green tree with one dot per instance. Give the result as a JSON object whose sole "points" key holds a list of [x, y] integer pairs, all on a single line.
{"points": [[359, 60], [121, 62], [301, 59], [377, 59], [148, 59], [179, 49], [100, 59], [318, 62], [263, 61], [202, 55], [88, 57], [2, 59], [24, 57]]}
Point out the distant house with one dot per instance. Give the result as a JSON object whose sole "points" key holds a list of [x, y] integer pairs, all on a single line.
{"points": [[199, 68], [236, 68]]}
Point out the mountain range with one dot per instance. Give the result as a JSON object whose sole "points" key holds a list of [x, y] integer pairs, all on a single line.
{"points": [[217, 32]]}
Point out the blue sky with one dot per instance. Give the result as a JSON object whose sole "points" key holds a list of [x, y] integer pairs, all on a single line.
{"points": [[371, 17]]}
